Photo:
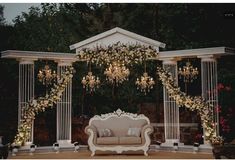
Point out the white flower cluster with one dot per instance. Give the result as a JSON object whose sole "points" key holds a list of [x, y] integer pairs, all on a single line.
{"points": [[126, 54], [193, 103], [39, 105]]}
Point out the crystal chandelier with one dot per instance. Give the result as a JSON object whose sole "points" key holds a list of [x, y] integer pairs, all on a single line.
{"points": [[116, 73], [90, 82], [46, 76], [145, 83], [189, 73]]}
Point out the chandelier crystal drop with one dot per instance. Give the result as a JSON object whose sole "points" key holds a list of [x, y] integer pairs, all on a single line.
{"points": [[46, 76], [116, 73], [145, 83], [90, 82], [188, 73]]}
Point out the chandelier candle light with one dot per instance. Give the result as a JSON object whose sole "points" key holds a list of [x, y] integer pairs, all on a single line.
{"points": [[116, 73], [46, 76], [189, 73], [90, 82], [145, 83]]}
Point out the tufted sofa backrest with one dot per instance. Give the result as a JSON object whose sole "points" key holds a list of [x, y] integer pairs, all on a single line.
{"points": [[119, 125]]}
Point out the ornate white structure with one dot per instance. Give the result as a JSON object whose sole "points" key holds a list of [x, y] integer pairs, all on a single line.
{"points": [[113, 119], [26, 87], [171, 110], [208, 58], [64, 110]]}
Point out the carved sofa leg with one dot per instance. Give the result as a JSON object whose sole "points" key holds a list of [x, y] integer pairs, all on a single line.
{"points": [[92, 153], [145, 152]]}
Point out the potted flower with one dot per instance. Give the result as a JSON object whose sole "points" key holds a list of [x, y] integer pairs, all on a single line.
{"points": [[217, 141]]}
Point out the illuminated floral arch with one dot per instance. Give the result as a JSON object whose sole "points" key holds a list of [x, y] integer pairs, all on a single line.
{"points": [[38, 105], [126, 54], [195, 103]]}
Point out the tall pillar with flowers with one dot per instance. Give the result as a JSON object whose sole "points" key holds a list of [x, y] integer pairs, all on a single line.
{"points": [[209, 87], [26, 89], [64, 109], [171, 110]]}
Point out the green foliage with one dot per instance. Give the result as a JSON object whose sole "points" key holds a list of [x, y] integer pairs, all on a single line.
{"points": [[1, 15]]}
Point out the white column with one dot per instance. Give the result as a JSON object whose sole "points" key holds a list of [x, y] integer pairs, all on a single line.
{"points": [[26, 88], [171, 110], [209, 86], [64, 110]]}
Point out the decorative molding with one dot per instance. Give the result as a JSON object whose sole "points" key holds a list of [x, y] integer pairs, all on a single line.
{"points": [[15, 54], [65, 62], [207, 58], [119, 113], [169, 61], [132, 38], [26, 60], [190, 53]]}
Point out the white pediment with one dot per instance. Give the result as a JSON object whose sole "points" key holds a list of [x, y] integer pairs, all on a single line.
{"points": [[116, 35]]}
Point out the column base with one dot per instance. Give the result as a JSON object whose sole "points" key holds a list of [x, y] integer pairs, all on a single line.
{"points": [[170, 142], [206, 146], [27, 145], [65, 143]]}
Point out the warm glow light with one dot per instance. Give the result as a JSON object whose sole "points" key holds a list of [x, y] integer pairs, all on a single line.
{"points": [[46, 76], [90, 82], [116, 73], [188, 73], [145, 83]]}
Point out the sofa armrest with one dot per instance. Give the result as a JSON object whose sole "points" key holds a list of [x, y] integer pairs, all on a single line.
{"points": [[92, 132], [145, 132]]}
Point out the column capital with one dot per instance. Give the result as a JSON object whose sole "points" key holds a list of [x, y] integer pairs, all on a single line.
{"points": [[64, 62], [27, 60], [172, 61], [207, 58]]}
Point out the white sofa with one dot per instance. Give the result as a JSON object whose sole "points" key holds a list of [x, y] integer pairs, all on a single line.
{"points": [[120, 124]]}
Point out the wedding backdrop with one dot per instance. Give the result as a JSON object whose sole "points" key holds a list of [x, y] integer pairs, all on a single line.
{"points": [[184, 84], [118, 50]]}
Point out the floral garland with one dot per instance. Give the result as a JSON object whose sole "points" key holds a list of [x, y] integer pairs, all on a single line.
{"points": [[39, 105], [126, 54], [193, 103]]}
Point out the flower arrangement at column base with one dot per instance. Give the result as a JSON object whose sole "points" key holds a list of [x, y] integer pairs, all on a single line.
{"points": [[217, 141]]}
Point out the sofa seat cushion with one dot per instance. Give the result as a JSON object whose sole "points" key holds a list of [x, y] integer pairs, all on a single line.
{"points": [[129, 140], [107, 140]]}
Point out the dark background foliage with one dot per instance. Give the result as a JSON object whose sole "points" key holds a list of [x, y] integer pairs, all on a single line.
{"points": [[54, 27]]}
